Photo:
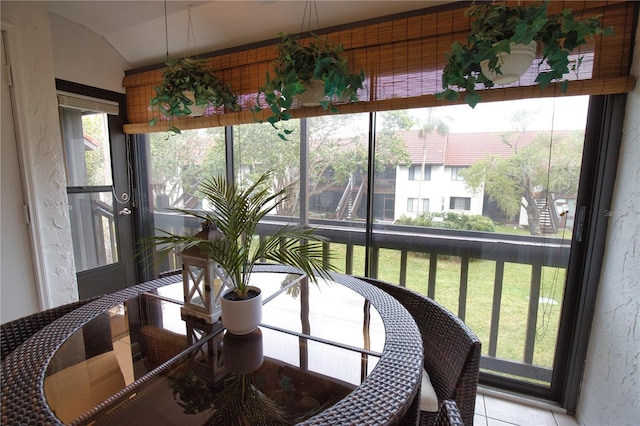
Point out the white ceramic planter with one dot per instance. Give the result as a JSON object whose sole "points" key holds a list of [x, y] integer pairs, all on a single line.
{"points": [[313, 94], [512, 65], [242, 316], [196, 110]]}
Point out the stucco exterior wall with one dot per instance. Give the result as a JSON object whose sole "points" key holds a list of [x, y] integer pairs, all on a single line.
{"points": [[610, 392], [458, 188]]}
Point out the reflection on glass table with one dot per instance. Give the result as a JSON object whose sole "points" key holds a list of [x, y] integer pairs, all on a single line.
{"points": [[143, 362]]}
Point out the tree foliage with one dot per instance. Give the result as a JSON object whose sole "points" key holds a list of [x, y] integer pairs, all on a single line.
{"points": [[179, 162], [94, 125], [550, 163], [337, 148]]}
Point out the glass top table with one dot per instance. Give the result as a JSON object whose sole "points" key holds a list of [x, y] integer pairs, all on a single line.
{"points": [[341, 351]]}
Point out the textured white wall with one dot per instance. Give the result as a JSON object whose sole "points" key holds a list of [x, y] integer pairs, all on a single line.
{"points": [[610, 391], [29, 51]]}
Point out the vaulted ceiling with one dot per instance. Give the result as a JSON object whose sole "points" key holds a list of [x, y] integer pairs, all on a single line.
{"points": [[136, 29]]}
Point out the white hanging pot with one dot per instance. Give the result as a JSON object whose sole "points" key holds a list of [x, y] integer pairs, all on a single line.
{"points": [[313, 94], [196, 110], [241, 316], [512, 65]]}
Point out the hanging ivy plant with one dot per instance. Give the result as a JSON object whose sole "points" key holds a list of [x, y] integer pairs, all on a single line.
{"points": [[184, 76], [495, 26], [296, 67]]}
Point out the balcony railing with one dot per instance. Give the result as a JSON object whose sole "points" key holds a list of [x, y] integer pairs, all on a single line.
{"points": [[468, 246]]}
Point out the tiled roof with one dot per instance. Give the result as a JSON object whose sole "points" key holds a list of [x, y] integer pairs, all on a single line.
{"points": [[435, 147], [463, 149], [90, 143]]}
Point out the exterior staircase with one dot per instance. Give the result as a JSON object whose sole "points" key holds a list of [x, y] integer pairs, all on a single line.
{"points": [[351, 199], [549, 219]]}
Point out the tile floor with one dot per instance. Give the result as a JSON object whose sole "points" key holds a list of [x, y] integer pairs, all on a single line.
{"points": [[494, 409]]}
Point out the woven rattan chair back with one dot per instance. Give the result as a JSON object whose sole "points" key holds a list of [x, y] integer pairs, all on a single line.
{"points": [[13, 333], [448, 415], [451, 350]]}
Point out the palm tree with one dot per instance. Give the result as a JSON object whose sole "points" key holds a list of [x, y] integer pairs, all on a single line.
{"points": [[426, 127]]}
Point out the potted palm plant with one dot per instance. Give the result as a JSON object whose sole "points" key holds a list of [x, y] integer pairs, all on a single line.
{"points": [[317, 68], [499, 30], [236, 212], [188, 88]]}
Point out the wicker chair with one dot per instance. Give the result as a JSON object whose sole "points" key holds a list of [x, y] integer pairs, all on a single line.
{"points": [[13, 333], [451, 351], [449, 415]]}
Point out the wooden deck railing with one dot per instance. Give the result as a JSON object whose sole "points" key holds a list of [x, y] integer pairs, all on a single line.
{"points": [[467, 245]]}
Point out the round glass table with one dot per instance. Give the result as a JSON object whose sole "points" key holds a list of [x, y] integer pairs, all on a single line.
{"points": [[340, 352]]}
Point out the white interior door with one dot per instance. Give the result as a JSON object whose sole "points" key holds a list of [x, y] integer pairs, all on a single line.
{"points": [[18, 288]]}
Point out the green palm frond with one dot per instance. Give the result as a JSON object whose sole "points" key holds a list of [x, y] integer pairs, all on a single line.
{"points": [[236, 212]]}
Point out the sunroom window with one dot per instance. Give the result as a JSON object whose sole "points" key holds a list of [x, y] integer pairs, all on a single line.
{"points": [[492, 244]]}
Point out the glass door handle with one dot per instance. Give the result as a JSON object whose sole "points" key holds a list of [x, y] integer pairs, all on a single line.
{"points": [[124, 212]]}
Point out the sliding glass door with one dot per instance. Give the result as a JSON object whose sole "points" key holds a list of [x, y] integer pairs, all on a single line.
{"points": [[479, 209]]}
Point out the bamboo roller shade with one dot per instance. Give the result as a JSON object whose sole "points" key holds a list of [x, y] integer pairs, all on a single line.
{"points": [[403, 60]]}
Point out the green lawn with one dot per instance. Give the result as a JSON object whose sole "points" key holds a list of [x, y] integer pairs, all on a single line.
{"points": [[515, 230], [512, 230], [514, 303]]}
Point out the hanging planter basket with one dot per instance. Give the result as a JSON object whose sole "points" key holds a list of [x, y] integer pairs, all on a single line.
{"points": [[181, 80], [512, 65], [318, 60]]}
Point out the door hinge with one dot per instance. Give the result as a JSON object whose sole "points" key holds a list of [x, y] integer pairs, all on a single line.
{"points": [[9, 75]]}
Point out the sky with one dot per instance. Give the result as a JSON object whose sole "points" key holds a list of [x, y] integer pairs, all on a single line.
{"points": [[561, 113]]}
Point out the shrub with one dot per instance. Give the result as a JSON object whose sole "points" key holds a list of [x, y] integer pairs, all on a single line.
{"points": [[449, 220], [479, 223]]}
